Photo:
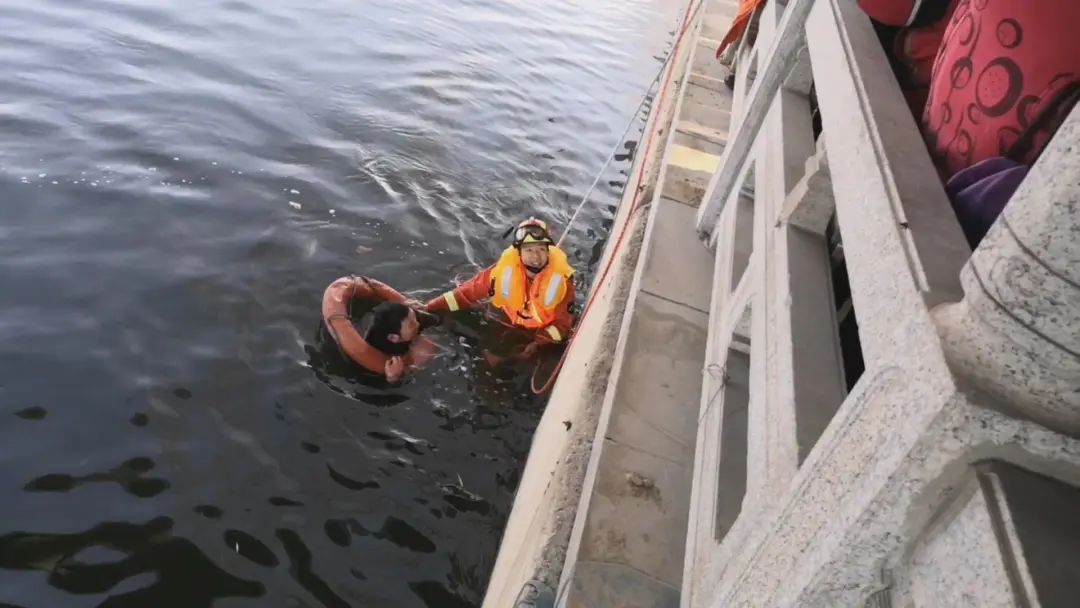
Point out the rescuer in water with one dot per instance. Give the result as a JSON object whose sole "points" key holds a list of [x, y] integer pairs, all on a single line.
{"points": [[532, 283]]}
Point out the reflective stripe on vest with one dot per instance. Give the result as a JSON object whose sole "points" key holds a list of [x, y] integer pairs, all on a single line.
{"points": [[554, 333], [552, 290], [506, 281]]}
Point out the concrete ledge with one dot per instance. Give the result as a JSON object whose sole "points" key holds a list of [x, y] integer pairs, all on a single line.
{"points": [[705, 106], [600, 584], [691, 159], [705, 61], [724, 9], [635, 508], [672, 270], [712, 134], [684, 185], [686, 137], [711, 83], [660, 372]]}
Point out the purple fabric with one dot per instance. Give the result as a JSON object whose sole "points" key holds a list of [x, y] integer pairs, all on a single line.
{"points": [[980, 192]]}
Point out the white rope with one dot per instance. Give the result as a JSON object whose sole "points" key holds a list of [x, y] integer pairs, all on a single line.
{"points": [[618, 143], [692, 11]]}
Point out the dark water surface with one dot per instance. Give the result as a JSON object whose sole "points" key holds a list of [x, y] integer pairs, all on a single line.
{"points": [[178, 183]]}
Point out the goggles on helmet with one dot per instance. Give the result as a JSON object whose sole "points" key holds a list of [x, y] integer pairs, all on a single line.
{"points": [[532, 231]]}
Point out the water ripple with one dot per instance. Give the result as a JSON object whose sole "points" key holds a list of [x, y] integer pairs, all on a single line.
{"points": [[180, 181]]}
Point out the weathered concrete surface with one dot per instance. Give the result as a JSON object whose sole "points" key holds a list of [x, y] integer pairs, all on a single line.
{"points": [[894, 459], [639, 477], [633, 512], [810, 204], [700, 105], [604, 584], [631, 521], [1010, 538], [1016, 334], [958, 563], [731, 430], [705, 63], [1040, 518], [669, 271], [629, 537]]}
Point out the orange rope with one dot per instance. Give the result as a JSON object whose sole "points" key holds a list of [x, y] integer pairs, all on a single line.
{"points": [[623, 232]]}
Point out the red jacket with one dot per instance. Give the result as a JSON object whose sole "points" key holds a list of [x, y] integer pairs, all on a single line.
{"points": [[475, 292]]}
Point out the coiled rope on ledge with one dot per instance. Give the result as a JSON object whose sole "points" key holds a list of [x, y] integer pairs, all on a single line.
{"points": [[688, 18]]}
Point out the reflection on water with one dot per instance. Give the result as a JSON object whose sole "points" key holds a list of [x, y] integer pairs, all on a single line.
{"points": [[127, 475], [250, 547], [99, 559], [180, 181]]}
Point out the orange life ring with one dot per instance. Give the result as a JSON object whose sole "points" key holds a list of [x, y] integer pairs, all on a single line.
{"points": [[335, 313]]}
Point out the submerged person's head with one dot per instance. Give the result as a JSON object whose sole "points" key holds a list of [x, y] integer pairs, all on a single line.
{"points": [[392, 323]]}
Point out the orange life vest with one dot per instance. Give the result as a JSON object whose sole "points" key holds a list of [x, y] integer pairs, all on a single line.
{"points": [[531, 305]]}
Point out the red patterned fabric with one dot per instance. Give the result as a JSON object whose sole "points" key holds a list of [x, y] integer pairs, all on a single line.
{"points": [[1006, 75]]}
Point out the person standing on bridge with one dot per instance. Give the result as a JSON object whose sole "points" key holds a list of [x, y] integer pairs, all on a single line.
{"points": [[532, 283]]}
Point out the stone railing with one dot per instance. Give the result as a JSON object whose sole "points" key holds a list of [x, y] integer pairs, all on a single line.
{"points": [[817, 483]]}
